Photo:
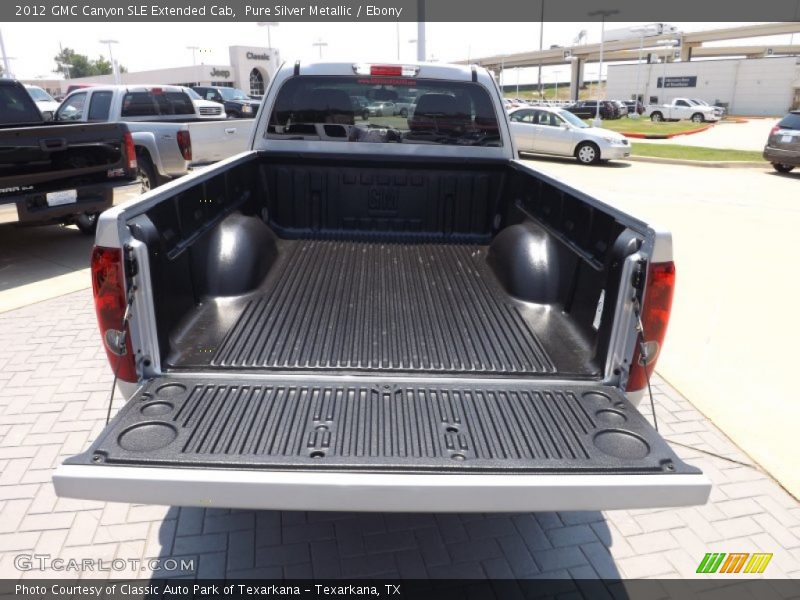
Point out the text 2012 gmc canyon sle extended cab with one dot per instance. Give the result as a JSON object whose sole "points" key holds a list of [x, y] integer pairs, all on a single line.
{"points": [[390, 315]]}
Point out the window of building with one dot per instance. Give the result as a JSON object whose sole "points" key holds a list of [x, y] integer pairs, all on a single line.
{"points": [[256, 83]]}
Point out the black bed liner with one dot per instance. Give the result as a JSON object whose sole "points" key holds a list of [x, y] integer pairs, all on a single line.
{"points": [[387, 426], [388, 307]]}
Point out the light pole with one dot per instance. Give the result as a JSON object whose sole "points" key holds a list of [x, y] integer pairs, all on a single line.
{"points": [[671, 44], [557, 74], [397, 38], [422, 51], [268, 25], [320, 44], [194, 49], [111, 56], [517, 70], [541, 42], [603, 14], [6, 66], [65, 66], [641, 31]]}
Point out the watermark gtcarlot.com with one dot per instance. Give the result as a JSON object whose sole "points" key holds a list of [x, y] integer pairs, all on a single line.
{"points": [[47, 562]]}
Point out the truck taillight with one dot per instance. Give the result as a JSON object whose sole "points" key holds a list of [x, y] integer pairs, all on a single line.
{"points": [[108, 286], [185, 144], [775, 130], [130, 150], [655, 317]]}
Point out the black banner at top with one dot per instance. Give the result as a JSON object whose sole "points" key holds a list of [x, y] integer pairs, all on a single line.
{"points": [[398, 10]]}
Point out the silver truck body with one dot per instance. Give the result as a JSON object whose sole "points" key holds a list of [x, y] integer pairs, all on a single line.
{"points": [[211, 140], [369, 490]]}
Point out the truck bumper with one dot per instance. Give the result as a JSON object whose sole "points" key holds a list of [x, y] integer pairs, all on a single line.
{"points": [[32, 208], [383, 492]]}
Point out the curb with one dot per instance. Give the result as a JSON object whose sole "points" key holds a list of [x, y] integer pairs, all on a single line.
{"points": [[714, 164], [665, 136]]}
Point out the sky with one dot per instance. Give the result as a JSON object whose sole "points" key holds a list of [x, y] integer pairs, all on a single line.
{"points": [[144, 46]]}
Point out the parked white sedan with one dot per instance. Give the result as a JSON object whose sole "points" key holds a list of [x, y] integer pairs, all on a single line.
{"points": [[558, 132]]}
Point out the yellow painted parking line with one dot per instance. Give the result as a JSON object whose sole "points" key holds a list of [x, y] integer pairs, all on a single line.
{"points": [[45, 289]]}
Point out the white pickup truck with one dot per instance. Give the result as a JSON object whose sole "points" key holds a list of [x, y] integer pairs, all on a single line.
{"points": [[170, 137], [682, 109], [380, 316]]}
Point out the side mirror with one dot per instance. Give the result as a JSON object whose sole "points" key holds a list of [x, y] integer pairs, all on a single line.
{"points": [[564, 125]]}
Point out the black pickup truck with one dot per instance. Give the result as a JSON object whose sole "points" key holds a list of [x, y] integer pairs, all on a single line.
{"points": [[60, 173]]}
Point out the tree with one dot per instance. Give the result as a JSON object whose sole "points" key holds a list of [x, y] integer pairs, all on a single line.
{"points": [[72, 64]]}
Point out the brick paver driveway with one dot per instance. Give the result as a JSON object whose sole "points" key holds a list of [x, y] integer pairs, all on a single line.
{"points": [[54, 383]]}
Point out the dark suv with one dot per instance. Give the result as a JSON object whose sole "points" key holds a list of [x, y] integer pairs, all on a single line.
{"points": [[634, 106], [783, 144], [587, 109], [238, 105]]}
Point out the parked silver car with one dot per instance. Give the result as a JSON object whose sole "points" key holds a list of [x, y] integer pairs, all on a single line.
{"points": [[558, 132]]}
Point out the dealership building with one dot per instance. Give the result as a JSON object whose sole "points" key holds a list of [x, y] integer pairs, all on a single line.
{"points": [[753, 86], [250, 69]]}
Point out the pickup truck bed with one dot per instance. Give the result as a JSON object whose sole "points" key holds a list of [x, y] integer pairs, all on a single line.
{"points": [[361, 316], [381, 306], [369, 325]]}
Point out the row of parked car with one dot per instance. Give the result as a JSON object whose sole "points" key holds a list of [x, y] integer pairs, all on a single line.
{"points": [[67, 162], [693, 109], [210, 102]]}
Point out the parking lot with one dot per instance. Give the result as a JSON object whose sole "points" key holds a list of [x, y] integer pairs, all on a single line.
{"points": [[54, 385]]}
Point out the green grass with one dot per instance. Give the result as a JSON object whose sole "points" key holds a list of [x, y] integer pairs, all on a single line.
{"points": [[693, 153], [646, 126]]}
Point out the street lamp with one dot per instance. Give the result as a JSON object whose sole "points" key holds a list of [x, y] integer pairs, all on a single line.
{"points": [[603, 14], [671, 44], [268, 25], [641, 31], [6, 58], [111, 56], [557, 75], [194, 49], [66, 67], [541, 41], [320, 44]]}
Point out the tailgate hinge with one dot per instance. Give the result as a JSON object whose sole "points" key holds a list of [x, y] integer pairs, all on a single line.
{"points": [[131, 264]]}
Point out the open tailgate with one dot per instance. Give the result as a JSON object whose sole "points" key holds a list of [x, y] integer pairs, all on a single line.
{"points": [[386, 445]]}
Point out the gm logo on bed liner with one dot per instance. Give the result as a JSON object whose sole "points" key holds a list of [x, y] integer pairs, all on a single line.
{"points": [[383, 200]]}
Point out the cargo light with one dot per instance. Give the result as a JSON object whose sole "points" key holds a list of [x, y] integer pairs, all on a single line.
{"points": [[130, 150], [185, 144], [108, 287], [655, 318], [386, 70]]}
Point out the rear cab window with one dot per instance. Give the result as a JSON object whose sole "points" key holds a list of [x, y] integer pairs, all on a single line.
{"points": [[153, 103], [397, 110], [790, 121], [16, 107]]}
